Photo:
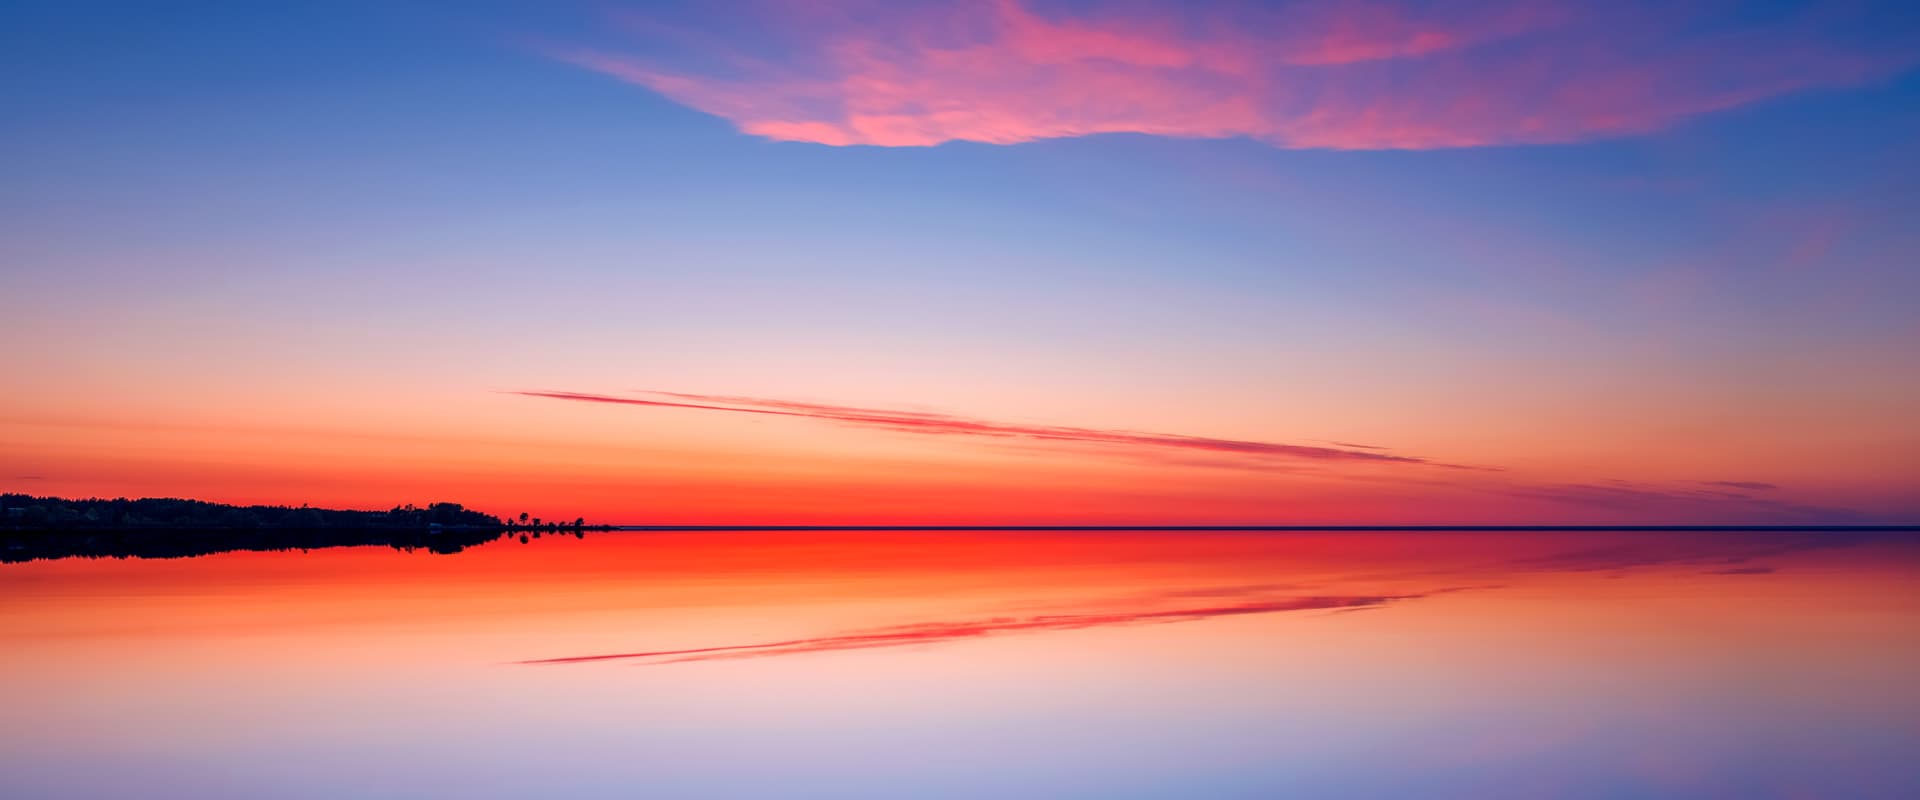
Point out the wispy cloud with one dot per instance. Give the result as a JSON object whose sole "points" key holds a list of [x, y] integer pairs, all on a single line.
{"points": [[1743, 571], [937, 632], [935, 424], [1751, 486], [1341, 74], [1660, 502], [1717, 501]]}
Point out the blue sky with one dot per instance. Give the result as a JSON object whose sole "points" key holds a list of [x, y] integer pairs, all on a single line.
{"points": [[371, 190]]}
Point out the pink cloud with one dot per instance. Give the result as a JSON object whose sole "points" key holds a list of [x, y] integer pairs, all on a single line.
{"points": [[1338, 74], [1335, 32]]}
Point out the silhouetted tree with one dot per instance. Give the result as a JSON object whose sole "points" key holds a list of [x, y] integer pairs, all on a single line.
{"points": [[302, 518]]}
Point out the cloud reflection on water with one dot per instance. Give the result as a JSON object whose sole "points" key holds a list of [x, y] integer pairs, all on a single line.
{"points": [[1731, 553], [934, 632]]}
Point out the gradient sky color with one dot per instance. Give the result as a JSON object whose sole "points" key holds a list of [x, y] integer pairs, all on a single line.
{"points": [[984, 262]]}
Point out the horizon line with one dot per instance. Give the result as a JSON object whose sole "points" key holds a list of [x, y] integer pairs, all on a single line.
{"points": [[1275, 528]]}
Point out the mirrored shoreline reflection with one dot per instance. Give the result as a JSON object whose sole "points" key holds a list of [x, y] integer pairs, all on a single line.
{"points": [[20, 546]]}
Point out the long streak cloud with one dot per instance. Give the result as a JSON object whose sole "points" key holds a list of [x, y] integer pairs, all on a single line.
{"points": [[949, 425]]}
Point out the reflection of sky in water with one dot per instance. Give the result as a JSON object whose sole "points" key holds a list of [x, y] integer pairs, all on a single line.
{"points": [[875, 665]]}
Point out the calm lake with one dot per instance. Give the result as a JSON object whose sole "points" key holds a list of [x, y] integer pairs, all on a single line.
{"points": [[976, 664]]}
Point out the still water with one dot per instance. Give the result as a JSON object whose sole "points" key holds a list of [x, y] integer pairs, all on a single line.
{"points": [[975, 664]]}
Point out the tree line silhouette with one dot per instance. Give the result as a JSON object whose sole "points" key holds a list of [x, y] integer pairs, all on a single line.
{"points": [[52, 527]]}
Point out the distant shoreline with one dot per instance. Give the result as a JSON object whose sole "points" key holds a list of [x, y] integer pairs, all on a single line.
{"points": [[36, 528], [25, 512]]}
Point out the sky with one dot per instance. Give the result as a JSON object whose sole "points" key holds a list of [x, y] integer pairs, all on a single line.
{"points": [[996, 262]]}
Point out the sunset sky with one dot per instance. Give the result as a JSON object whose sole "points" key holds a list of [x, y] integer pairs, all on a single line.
{"points": [[1006, 261]]}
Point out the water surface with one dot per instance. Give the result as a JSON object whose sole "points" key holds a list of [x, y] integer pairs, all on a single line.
{"points": [[976, 664]]}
